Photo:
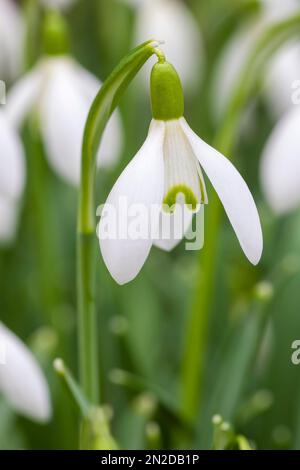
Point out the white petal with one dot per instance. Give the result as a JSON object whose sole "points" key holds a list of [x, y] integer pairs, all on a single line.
{"points": [[182, 168], [280, 164], [112, 140], [24, 95], [11, 39], [64, 109], [9, 212], [142, 182], [12, 166], [233, 193], [21, 379], [172, 22], [173, 227], [63, 114]]}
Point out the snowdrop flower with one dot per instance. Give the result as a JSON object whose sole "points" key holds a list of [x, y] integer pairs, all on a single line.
{"points": [[167, 169], [280, 164], [175, 23], [12, 178], [21, 379], [61, 92], [11, 39], [282, 71]]}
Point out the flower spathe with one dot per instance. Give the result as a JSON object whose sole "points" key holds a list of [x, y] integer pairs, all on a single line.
{"points": [[60, 91], [21, 380], [168, 168], [280, 164], [12, 178]]}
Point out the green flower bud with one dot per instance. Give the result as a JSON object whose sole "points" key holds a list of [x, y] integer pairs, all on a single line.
{"points": [[166, 92], [55, 34]]}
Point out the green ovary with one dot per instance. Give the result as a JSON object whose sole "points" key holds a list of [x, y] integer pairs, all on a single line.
{"points": [[171, 197]]}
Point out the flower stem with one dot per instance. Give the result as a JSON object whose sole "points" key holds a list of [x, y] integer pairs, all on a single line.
{"points": [[198, 320], [102, 108]]}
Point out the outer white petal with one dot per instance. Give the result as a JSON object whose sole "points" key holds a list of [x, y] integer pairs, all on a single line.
{"points": [[9, 212], [172, 22], [233, 193], [142, 182], [21, 379], [24, 95], [280, 164], [12, 161], [11, 39], [112, 140]]}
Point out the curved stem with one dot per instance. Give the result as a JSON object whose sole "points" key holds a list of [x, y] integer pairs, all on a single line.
{"points": [[103, 106], [198, 321]]}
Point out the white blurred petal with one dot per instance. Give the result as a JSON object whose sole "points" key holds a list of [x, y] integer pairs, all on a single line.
{"points": [[64, 108], [12, 161], [233, 193], [112, 140], [283, 71], [9, 212], [236, 52], [63, 114], [280, 164], [142, 182], [172, 22], [24, 95], [229, 67], [21, 379], [11, 39]]}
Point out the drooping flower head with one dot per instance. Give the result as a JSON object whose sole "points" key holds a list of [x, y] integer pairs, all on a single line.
{"points": [[60, 91], [168, 170], [22, 382]]}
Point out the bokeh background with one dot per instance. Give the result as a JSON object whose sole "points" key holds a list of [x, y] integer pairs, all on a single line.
{"points": [[248, 376]]}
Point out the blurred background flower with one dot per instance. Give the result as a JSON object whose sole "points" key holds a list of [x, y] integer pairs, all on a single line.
{"points": [[11, 39]]}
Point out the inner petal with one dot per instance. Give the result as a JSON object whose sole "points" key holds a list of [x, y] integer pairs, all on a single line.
{"points": [[184, 181]]}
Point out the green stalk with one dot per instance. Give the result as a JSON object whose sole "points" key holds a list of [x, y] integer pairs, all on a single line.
{"points": [[198, 321], [104, 104]]}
